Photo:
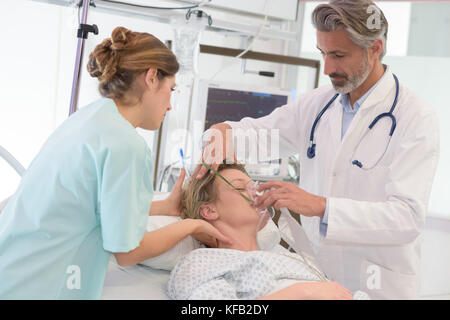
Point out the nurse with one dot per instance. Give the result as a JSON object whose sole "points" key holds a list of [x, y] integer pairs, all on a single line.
{"points": [[88, 192], [368, 151]]}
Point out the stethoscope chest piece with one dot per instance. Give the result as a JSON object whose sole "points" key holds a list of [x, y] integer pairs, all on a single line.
{"points": [[311, 152]]}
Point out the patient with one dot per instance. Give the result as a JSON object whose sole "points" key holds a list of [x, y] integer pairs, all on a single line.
{"points": [[240, 270]]}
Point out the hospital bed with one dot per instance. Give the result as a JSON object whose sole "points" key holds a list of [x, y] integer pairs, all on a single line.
{"points": [[130, 283], [137, 282], [149, 281], [142, 282], [134, 283]]}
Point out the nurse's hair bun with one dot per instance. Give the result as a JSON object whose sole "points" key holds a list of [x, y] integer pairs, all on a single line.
{"points": [[119, 60], [120, 38], [105, 59]]}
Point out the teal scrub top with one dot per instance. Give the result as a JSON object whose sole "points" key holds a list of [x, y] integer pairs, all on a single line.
{"points": [[86, 194]]}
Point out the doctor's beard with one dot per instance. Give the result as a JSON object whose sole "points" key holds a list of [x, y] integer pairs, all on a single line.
{"points": [[350, 83]]}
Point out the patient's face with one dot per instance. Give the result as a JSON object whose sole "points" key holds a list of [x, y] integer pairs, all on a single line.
{"points": [[232, 207]]}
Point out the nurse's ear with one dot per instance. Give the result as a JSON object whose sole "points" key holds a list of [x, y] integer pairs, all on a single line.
{"points": [[151, 78], [209, 212]]}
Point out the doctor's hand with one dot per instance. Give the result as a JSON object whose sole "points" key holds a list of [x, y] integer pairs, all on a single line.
{"points": [[173, 201], [218, 147], [286, 194]]}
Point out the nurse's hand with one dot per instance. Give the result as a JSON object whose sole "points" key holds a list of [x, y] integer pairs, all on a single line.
{"points": [[218, 148], [286, 194], [207, 234], [173, 201]]}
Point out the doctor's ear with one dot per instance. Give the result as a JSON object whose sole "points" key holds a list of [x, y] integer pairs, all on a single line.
{"points": [[376, 49], [209, 212]]}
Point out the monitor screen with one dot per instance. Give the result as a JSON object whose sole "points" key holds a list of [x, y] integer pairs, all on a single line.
{"points": [[233, 104], [216, 102]]}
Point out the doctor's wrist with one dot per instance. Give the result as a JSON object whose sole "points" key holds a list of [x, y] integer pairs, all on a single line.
{"points": [[320, 206]]}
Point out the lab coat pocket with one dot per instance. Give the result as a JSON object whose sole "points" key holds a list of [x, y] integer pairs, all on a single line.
{"points": [[371, 149], [381, 283], [369, 184]]}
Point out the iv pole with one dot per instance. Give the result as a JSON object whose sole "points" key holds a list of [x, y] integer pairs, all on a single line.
{"points": [[83, 31]]}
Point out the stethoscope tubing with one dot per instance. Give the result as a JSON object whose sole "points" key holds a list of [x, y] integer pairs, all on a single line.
{"points": [[311, 152]]}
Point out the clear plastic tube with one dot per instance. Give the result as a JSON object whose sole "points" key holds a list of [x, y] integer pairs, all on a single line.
{"points": [[265, 214]]}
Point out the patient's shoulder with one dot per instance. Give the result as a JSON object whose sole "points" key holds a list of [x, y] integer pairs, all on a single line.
{"points": [[207, 257], [212, 252]]}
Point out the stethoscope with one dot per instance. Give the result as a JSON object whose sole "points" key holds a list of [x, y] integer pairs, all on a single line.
{"points": [[311, 152]]}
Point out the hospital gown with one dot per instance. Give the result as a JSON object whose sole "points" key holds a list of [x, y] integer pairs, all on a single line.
{"points": [[86, 194], [228, 274]]}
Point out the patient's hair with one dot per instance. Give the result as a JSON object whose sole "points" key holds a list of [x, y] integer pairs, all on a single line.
{"points": [[199, 192], [119, 60]]}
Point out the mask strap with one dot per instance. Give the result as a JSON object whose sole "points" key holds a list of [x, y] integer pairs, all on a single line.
{"points": [[218, 174]]}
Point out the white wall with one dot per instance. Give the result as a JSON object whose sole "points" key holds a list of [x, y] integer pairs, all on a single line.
{"points": [[435, 263], [28, 63]]}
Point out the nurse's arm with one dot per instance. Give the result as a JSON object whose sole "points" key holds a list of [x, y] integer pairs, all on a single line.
{"points": [[161, 240]]}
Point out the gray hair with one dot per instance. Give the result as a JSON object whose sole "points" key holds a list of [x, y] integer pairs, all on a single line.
{"points": [[362, 19]]}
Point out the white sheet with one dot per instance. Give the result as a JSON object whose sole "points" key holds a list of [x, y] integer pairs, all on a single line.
{"points": [[134, 283]]}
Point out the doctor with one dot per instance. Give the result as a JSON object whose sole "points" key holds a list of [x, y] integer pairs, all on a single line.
{"points": [[368, 153]]}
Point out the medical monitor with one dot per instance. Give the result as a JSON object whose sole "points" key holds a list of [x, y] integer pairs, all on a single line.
{"points": [[228, 103], [219, 101]]}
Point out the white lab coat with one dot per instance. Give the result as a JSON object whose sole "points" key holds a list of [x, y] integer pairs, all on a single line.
{"points": [[375, 216]]}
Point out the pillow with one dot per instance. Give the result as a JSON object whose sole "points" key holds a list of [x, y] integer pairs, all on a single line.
{"points": [[267, 238], [168, 259]]}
